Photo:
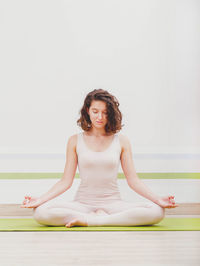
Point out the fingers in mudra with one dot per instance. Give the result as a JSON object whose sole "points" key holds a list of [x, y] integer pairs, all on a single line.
{"points": [[26, 201], [172, 201]]}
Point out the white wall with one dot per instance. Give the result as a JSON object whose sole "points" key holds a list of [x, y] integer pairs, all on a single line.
{"points": [[145, 52]]}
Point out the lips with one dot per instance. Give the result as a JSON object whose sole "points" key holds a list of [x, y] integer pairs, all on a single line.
{"points": [[99, 122]]}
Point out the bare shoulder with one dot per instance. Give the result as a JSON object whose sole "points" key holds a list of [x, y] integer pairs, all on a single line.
{"points": [[124, 141], [73, 138], [72, 141]]}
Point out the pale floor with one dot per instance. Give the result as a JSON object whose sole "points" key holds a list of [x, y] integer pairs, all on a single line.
{"points": [[168, 248]]}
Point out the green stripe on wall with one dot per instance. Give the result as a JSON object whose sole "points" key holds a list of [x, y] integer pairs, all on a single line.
{"points": [[120, 175]]}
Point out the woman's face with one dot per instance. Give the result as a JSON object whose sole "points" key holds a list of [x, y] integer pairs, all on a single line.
{"points": [[98, 113]]}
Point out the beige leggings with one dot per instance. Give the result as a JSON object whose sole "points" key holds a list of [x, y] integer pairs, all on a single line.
{"points": [[116, 213]]}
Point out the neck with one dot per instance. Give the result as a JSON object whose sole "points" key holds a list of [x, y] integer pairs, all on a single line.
{"points": [[97, 132]]}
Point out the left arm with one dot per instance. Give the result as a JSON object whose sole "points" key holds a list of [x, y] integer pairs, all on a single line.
{"points": [[134, 181]]}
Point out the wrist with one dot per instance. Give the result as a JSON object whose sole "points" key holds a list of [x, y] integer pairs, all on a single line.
{"points": [[156, 200], [41, 200]]}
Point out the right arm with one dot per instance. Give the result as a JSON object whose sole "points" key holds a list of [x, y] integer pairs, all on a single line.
{"points": [[67, 179]]}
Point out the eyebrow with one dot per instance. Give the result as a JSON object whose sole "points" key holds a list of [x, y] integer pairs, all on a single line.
{"points": [[97, 109]]}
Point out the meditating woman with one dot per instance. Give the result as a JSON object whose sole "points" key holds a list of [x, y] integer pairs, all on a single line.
{"points": [[98, 151]]}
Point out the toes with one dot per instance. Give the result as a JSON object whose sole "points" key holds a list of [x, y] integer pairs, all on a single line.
{"points": [[70, 224]]}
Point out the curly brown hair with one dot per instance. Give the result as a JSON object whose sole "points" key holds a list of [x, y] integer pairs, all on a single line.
{"points": [[114, 116]]}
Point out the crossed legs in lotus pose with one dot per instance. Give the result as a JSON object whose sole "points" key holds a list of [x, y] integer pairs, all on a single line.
{"points": [[117, 213]]}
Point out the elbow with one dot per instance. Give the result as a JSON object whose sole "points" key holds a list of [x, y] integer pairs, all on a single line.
{"points": [[66, 185], [132, 182]]}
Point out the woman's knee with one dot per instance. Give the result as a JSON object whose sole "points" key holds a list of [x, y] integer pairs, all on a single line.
{"points": [[158, 213], [39, 213]]}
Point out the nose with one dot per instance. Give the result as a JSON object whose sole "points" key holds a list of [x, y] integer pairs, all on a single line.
{"points": [[99, 115]]}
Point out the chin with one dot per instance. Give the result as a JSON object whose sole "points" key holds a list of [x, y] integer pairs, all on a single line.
{"points": [[99, 125]]}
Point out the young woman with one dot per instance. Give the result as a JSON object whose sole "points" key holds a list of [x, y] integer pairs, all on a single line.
{"points": [[98, 150]]}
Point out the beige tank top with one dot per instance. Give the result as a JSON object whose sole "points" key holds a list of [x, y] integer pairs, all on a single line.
{"points": [[98, 172]]}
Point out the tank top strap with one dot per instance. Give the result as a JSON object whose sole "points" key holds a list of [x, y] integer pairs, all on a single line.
{"points": [[117, 141], [79, 145]]}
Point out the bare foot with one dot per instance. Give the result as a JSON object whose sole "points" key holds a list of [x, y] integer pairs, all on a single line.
{"points": [[76, 222]]}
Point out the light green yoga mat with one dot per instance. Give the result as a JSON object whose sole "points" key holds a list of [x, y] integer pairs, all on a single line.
{"points": [[120, 175], [167, 224]]}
